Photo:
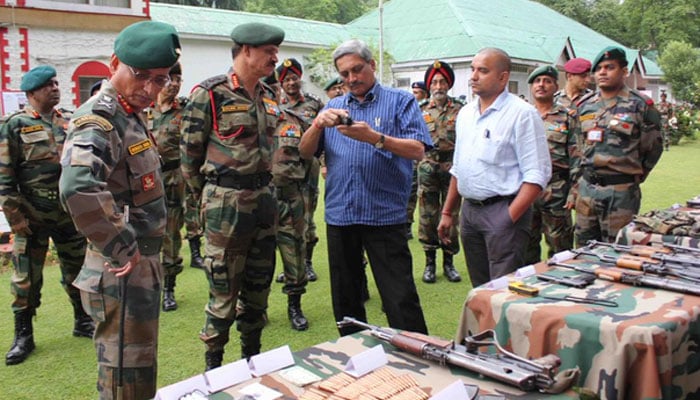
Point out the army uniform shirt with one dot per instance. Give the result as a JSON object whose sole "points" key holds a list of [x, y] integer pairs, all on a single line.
{"points": [[112, 186], [619, 135], [549, 214], [30, 151], [562, 98], [433, 173], [307, 107], [288, 173], [227, 145]]}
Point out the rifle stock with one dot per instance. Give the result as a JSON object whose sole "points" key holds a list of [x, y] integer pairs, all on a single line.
{"points": [[503, 366]]}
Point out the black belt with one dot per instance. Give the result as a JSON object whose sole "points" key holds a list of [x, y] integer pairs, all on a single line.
{"points": [[149, 246], [249, 182], [170, 165], [490, 200], [605, 180]]}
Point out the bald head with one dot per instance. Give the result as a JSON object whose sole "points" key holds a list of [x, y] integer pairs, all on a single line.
{"points": [[501, 58]]}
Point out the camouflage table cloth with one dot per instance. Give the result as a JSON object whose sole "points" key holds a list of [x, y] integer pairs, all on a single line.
{"points": [[329, 358], [645, 348]]}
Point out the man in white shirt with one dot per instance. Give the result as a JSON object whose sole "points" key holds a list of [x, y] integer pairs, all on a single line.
{"points": [[501, 164]]}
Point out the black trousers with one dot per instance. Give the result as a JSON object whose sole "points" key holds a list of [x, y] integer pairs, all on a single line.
{"points": [[392, 266]]}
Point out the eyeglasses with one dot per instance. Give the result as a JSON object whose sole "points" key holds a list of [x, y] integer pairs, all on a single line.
{"points": [[158, 80]]}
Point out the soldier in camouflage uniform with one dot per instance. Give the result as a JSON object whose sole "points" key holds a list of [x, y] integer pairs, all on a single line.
{"points": [[422, 97], [112, 186], [552, 210], [439, 113], [666, 112], [227, 137], [163, 120], [306, 106], [578, 77], [31, 141], [620, 143]]}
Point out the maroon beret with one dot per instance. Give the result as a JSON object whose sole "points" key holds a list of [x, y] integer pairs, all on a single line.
{"points": [[577, 66]]}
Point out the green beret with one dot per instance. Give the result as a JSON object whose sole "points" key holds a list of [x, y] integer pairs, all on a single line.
{"points": [[147, 45], [335, 81], [288, 65], [257, 34], [543, 70], [610, 53], [442, 68], [37, 77]]}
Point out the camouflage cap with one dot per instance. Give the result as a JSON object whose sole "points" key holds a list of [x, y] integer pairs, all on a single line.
{"points": [[37, 77], [439, 67], [610, 53], [257, 34], [577, 65], [147, 45], [543, 70], [289, 65], [335, 81]]}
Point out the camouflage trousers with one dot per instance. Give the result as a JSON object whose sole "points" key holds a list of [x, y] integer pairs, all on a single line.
{"points": [[193, 227], [601, 211], [433, 182], [103, 300], [549, 217], [290, 238], [29, 256], [413, 196], [240, 228], [172, 240], [310, 193]]}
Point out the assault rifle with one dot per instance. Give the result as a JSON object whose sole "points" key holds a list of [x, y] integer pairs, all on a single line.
{"points": [[503, 366], [663, 254], [642, 264], [635, 279], [683, 249]]}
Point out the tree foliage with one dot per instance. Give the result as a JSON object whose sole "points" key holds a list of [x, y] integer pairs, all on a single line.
{"points": [[681, 65]]}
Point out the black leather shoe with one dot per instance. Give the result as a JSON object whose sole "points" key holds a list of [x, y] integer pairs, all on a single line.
{"points": [[310, 273], [296, 316], [429, 273], [23, 345], [449, 269]]}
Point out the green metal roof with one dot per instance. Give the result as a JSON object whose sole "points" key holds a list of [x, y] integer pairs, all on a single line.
{"points": [[422, 30], [219, 23], [426, 30]]}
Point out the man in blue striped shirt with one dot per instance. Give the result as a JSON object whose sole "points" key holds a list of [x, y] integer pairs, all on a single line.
{"points": [[370, 137]]}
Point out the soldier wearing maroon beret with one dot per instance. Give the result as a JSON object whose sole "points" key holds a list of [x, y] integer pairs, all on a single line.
{"points": [[578, 78]]}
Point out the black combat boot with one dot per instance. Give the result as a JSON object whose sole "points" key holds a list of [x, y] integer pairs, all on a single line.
{"points": [[169, 303], [23, 345], [449, 269], [280, 278], [429, 273], [196, 260], [308, 266], [213, 359], [250, 344], [296, 316], [83, 326]]}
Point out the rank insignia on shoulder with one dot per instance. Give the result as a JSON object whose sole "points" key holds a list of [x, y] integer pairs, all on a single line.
{"points": [[139, 147], [33, 128], [93, 119]]}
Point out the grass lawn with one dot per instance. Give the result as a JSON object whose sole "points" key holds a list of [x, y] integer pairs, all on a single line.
{"points": [[63, 367]]}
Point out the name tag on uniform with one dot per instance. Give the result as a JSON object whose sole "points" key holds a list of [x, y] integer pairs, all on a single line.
{"points": [[235, 108], [595, 135], [31, 129], [139, 147]]}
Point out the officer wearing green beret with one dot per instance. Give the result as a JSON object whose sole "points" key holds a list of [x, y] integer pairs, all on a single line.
{"points": [[620, 143], [334, 87], [551, 211], [439, 113], [31, 141], [227, 144], [112, 186]]}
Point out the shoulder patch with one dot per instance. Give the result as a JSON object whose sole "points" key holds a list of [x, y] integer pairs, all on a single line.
{"points": [[209, 84], [95, 120]]}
